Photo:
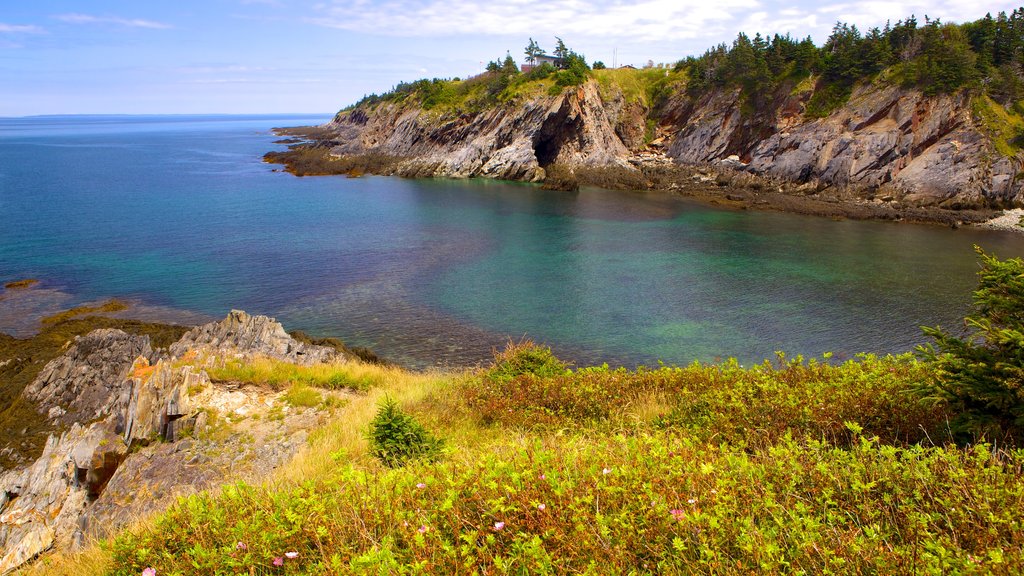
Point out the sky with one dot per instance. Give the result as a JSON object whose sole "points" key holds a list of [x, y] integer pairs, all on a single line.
{"points": [[296, 56]]}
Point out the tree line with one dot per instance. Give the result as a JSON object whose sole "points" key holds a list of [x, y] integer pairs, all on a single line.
{"points": [[935, 57]]}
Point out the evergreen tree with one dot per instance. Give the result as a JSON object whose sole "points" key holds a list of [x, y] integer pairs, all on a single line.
{"points": [[532, 52], [561, 52], [981, 375]]}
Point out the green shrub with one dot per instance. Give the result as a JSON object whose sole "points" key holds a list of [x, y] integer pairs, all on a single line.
{"points": [[981, 376], [525, 358], [626, 504], [827, 99], [396, 438]]}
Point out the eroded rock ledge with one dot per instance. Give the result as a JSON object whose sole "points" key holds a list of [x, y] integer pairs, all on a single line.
{"points": [[888, 144], [135, 427]]}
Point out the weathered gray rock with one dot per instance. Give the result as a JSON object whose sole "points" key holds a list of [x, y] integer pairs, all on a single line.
{"points": [[921, 150], [162, 404], [887, 140], [511, 142], [47, 499], [106, 396], [242, 335], [88, 381]]}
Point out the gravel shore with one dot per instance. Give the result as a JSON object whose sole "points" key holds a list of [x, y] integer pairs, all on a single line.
{"points": [[1009, 220]]}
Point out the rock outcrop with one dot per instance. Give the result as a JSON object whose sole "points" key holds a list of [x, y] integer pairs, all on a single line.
{"points": [[886, 142], [509, 142], [133, 420], [241, 335], [90, 380]]}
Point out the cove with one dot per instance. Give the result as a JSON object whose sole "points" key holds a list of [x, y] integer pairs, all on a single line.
{"points": [[179, 213]]}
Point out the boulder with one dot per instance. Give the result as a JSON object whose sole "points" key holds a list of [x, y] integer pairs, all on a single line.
{"points": [[244, 336]]}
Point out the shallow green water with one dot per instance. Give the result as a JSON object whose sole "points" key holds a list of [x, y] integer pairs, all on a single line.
{"points": [[180, 213]]}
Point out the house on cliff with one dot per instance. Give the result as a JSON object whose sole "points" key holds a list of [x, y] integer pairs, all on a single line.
{"points": [[540, 60]]}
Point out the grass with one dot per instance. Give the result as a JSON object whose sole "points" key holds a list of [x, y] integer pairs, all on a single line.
{"points": [[790, 466], [1006, 129], [278, 374], [644, 86], [827, 99]]}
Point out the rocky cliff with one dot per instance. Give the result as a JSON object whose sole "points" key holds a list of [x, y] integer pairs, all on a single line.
{"points": [[886, 144], [135, 426], [508, 142]]}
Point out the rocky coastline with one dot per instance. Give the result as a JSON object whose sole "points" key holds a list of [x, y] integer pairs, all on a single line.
{"points": [[889, 154], [131, 426]]}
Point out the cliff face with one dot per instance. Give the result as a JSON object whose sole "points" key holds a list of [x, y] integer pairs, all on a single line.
{"points": [[886, 142], [505, 142], [137, 429], [921, 150]]}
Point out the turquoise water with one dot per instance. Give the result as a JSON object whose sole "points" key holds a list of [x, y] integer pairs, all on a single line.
{"points": [[180, 213]]}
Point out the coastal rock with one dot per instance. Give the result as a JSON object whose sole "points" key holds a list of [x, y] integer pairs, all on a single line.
{"points": [[923, 150], [34, 543], [511, 142], [241, 335], [104, 469], [89, 380], [885, 141], [162, 404]]}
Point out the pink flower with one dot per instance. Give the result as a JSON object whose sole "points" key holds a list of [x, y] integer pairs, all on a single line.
{"points": [[677, 514], [541, 507], [423, 529], [421, 485], [543, 477], [278, 561], [149, 572], [606, 471], [241, 546], [291, 555], [499, 526]]}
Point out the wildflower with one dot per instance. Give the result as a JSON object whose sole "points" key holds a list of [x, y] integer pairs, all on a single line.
{"points": [[279, 561], [423, 529], [606, 471], [543, 477], [541, 507], [241, 546], [677, 514], [291, 555], [691, 501], [421, 485], [498, 526], [149, 571]]}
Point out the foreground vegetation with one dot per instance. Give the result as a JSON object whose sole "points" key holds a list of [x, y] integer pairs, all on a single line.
{"points": [[793, 466], [533, 467]]}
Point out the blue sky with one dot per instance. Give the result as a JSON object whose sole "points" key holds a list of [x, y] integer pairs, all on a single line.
{"points": [[271, 56]]}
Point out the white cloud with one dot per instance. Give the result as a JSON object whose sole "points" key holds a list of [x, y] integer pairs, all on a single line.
{"points": [[75, 18], [647, 20], [875, 12], [19, 29]]}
